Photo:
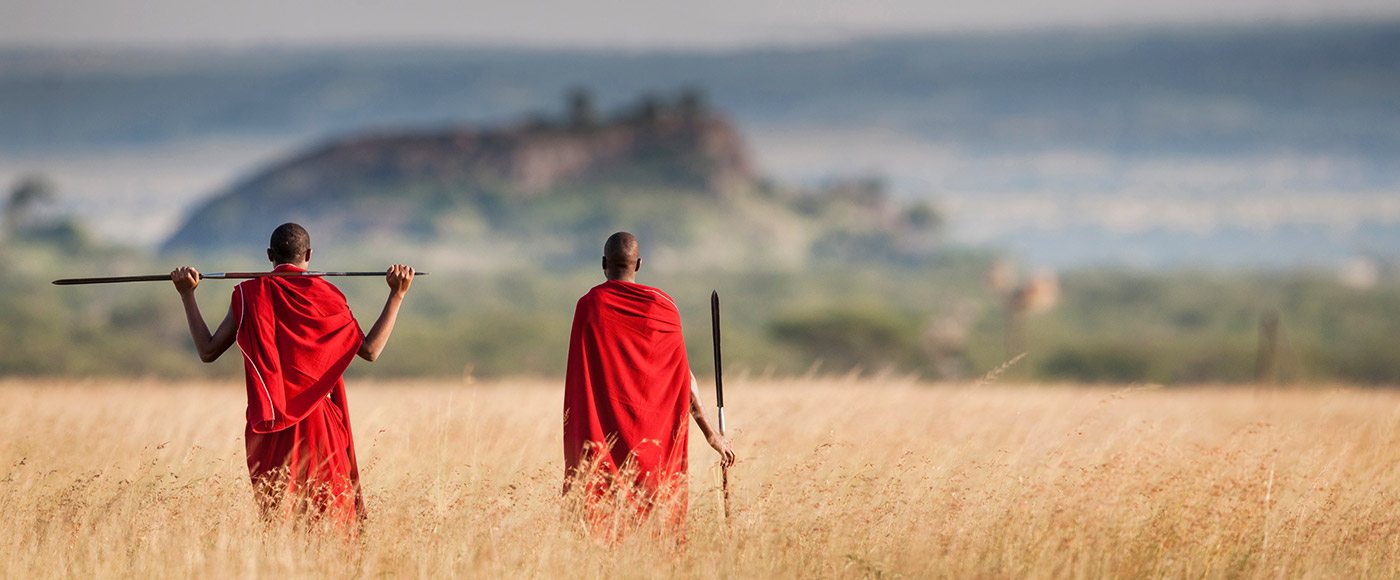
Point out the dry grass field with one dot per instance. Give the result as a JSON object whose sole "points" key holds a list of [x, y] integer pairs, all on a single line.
{"points": [[836, 478]]}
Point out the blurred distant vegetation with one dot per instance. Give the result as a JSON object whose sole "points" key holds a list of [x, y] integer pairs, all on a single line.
{"points": [[935, 318], [844, 279]]}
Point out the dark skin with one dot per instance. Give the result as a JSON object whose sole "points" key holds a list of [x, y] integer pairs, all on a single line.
{"points": [[212, 345], [627, 272]]}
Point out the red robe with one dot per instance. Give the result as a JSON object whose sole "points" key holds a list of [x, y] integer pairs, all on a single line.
{"points": [[297, 336], [627, 395]]}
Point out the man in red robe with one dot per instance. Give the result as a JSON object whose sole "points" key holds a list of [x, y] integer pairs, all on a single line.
{"points": [[297, 336], [628, 390]]}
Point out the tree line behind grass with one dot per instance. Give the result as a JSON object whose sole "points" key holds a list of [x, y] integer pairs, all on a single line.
{"points": [[936, 319]]}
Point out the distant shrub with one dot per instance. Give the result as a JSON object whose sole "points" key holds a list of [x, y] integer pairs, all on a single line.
{"points": [[849, 338], [1098, 363]]}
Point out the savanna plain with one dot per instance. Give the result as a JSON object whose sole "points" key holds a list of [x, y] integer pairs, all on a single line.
{"points": [[837, 478]]}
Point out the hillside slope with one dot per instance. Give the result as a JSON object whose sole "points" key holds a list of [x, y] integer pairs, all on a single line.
{"points": [[673, 172]]}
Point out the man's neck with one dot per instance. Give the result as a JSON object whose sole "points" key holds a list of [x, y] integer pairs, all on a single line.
{"points": [[632, 278], [297, 265]]}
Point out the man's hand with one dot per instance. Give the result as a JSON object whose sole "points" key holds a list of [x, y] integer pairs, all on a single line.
{"points": [[399, 278], [721, 444], [186, 279]]}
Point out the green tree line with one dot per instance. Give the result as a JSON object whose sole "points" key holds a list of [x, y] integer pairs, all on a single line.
{"points": [[936, 319]]}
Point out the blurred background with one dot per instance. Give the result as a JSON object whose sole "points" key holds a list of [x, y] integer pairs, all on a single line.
{"points": [[1093, 191]]}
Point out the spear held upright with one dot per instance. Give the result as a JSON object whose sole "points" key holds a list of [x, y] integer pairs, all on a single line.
{"points": [[719, 392], [213, 276]]}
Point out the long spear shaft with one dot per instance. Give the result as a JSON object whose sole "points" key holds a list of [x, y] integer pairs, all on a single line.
{"points": [[719, 392], [213, 276]]}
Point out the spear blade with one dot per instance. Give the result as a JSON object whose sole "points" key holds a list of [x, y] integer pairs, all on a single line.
{"points": [[719, 391]]}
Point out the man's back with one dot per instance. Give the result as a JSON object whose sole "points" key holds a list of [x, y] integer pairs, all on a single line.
{"points": [[297, 336], [627, 384]]}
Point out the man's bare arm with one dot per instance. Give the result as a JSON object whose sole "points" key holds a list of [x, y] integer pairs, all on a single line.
{"points": [[717, 440], [399, 277], [210, 346]]}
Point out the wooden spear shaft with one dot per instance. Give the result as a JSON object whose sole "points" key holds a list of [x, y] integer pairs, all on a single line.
{"points": [[213, 276], [719, 392]]}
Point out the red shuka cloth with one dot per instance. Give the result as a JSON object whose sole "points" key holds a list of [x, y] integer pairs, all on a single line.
{"points": [[627, 391], [297, 336]]}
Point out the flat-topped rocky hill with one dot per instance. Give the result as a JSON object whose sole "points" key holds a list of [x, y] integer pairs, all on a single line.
{"points": [[673, 171]]}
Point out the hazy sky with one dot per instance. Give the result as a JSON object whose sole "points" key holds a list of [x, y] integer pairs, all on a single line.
{"points": [[606, 23]]}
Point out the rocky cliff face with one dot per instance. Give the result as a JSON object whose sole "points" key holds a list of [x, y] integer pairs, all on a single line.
{"points": [[401, 183]]}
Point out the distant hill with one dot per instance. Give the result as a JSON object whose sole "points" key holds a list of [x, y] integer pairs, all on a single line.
{"points": [[549, 190], [1224, 90], [1040, 143]]}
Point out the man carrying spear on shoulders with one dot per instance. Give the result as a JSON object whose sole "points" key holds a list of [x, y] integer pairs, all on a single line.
{"points": [[297, 336]]}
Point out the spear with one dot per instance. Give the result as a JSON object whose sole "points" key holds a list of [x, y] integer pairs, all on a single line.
{"points": [[213, 276], [719, 392]]}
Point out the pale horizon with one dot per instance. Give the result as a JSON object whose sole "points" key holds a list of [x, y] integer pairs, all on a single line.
{"points": [[610, 24]]}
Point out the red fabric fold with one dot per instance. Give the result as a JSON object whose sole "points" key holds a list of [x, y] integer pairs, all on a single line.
{"points": [[627, 392], [297, 336]]}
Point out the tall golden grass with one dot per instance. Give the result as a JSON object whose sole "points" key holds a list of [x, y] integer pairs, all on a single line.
{"points": [[836, 478]]}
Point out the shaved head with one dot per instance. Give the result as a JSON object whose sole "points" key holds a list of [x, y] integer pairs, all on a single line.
{"points": [[289, 244], [622, 256]]}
